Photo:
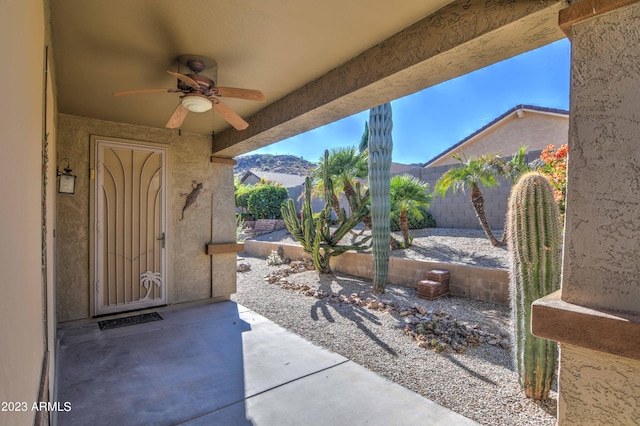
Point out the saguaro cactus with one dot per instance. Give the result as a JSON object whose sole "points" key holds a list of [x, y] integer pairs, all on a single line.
{"points": [[534, 240], [320, 236], [380, 148]]}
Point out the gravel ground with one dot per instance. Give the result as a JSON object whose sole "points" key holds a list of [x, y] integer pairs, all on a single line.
{"points": [[479, 383]]}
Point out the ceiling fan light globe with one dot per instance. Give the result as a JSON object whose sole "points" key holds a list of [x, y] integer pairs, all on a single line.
{"points": [[196, 103]]}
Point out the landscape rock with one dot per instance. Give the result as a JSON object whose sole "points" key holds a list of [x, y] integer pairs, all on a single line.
{"points": [[243, 267]]}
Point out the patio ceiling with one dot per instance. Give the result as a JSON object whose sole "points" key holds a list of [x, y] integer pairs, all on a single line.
{"points": [[315, 61]]}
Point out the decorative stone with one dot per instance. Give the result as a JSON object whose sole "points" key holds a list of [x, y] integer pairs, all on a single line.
{"points": [[242, 267]]}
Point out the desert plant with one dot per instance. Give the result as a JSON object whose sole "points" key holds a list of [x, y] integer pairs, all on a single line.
{"points": [[364, 140], [513, 169], [380, 149], [319, 235], [344, 167], [472, 173], [239, 228], [426, 220], [408, 194], [534, 240], [275, 259], [265, 201]]}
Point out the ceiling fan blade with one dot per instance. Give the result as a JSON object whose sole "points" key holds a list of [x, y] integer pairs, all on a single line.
{"points": [[227, 113], [178, 116], [184, 78], [233, 92], [143, 91]]}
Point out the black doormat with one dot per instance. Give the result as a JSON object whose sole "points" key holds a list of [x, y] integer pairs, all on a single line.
{"points": [[127, 321]]}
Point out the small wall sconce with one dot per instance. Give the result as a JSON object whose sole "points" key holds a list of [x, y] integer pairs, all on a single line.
{"points": [[66, 181]]}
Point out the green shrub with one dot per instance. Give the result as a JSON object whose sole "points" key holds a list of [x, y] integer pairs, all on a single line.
{"points": [[242, 193], [265, 201], [427, 220], [245, 216]]}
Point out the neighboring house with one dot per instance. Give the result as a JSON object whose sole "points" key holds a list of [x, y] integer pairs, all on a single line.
{"points": [[283, 179], [532, 126], [293, 183], [399, 168]]}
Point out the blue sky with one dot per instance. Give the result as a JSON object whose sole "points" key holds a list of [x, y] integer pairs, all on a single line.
{"points": [[428, 122]]}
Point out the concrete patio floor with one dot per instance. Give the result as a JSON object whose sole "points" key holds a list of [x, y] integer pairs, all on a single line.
{"points": [[223, 364]]}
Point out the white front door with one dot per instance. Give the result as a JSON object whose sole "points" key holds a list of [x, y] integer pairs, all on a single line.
{"points": [[130, 227]]}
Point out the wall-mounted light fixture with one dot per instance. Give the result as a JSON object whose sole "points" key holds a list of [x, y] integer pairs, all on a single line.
{"points": [[66, 181]]}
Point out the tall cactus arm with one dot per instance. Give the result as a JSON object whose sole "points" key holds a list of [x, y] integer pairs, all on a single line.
{"points": [[320, 236], [380, 149]]}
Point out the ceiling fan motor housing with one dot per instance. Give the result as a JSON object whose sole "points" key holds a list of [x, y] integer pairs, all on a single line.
{"points": [[203, 81]]}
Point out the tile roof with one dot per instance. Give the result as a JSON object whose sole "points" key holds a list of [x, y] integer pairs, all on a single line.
{"points": [[284, 179]]}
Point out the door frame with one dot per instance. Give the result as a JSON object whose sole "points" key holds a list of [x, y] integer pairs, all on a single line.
{"points": [[93, 208]]}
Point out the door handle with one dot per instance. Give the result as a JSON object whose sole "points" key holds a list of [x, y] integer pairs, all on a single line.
{"points": [[163, 239]]}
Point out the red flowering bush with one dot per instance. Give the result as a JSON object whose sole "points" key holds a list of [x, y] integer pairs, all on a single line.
{"points": [[555, 169]]}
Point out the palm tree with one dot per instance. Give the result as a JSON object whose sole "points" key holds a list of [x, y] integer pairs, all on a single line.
{"points": [[408, 194], [471, 174], [320, 186], [345, 165], [517, 166]]}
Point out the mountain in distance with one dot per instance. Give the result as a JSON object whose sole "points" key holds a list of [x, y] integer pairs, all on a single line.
{"points": [[289, 164]]}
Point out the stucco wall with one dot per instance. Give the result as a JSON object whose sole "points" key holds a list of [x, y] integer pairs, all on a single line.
{"points": [[193, 275], [602, 254], [601, 262], [536, 130], [21, 134], [597, 389]]}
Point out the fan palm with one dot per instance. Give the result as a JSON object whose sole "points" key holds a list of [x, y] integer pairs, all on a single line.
{"points": [[408, 194], [345, 165], [517, 166], [471, 174]]}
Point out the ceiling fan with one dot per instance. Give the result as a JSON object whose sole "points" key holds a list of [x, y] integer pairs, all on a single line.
{"points": [[200, 93]]}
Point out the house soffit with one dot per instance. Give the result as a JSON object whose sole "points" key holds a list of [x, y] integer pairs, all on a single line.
{"points": [[282, 48]]}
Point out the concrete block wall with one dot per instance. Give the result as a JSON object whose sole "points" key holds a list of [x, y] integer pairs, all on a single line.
{"points": [[452, 210], [456, 211], [486, 284]]}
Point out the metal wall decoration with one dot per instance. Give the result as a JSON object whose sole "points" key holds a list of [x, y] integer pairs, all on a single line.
{"points": [[192, 196], [147, 280]]}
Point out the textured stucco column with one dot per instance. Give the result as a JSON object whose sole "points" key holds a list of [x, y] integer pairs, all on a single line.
{"points": [[599, 306], [602, 254], [223, 231]]}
